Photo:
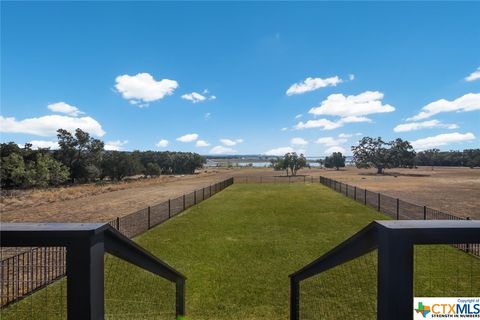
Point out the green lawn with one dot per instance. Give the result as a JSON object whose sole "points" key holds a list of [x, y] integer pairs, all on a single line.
{"points": [[237, 250]]}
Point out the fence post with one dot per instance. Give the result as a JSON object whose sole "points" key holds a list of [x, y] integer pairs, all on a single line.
{"points": [[118, 223], [365, 198], [210, 194], [169, 209], [398, 209], [378, 208], [148, 217], [424, 212], [195, 197], [467, 247], [183, 202], [346, 190], [355, 193], [203, 194]]}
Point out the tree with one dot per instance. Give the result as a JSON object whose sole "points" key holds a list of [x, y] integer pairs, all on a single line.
{"points": [[371, 152], [152, 169], [336, 160], [428, 157], [379, 154], [81, 154], [12, 170], [290, 161], [117, 165]]}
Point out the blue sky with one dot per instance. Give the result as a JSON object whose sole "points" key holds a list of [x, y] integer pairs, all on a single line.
{"points": [[274, 77]]}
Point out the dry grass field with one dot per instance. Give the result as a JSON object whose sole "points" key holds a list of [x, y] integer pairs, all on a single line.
{"points": [[453, 190]]}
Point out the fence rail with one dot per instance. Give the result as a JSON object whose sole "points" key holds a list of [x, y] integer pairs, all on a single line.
{"points": [[396, 208], [27, 271]]}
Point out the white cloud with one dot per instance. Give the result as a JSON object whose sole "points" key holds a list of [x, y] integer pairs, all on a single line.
{"points": [[48, 125], [143, 87], [279, 151], [468, 102], [162, 143], [202, 143], [348, 135], [330, 141], [207, 116], [412, 126], [190, 137], [475, 75], [230, 143], [115, 145], [284, 129], [319, 123], [62, 107], [36, 144], [298, 116], [326, 124], [441, 140], [299, 141], [222, 150], [351, 77], [311, 84], [335, 149], [196, 97], [365, 103]]}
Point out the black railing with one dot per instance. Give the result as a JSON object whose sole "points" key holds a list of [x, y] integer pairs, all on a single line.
{"points": [[26, 270], [396, 208], [395, 242], [86, 245]]}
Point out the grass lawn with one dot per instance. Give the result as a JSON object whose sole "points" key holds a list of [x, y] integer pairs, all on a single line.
{"points": [[237, 250]]}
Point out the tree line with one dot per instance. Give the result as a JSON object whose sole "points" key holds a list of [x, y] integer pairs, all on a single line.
{"points": [[81, 158]]}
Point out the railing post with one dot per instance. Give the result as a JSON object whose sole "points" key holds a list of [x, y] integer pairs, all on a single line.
{"points": [[85, 274], [180, 298], [467, 246], [398, 209], [148, 217], [169, 208], [424, 212], [294, 299], [378, 207], [395, 278]]}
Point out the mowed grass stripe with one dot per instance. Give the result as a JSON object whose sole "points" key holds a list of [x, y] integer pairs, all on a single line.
{"points": [[238, 248]]}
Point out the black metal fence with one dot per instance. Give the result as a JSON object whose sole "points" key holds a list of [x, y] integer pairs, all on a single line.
{"points": [[23, 272], [396, 208]]}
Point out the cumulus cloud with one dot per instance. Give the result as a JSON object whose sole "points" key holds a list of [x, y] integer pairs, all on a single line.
{"points": [[143, 87], [330, 141], [355, 106], [467, 102], [162, 143], [282, 150], [196, 97], [475, 75], [230, 142], [62, 107], [326, 124], [115, 145], [42, 144], [311, 84], [442, 140], [299, 141], [48, 125], [412, 126], [335, 149], [222, 150], [202, 143], [189, 137]]}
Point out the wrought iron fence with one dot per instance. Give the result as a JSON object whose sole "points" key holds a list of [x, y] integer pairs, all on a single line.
{"points": [[24, 271], [396, 208]]}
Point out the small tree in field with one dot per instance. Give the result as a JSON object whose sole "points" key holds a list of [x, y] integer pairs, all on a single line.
{"points": [[290, 161], [336, 160]]}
